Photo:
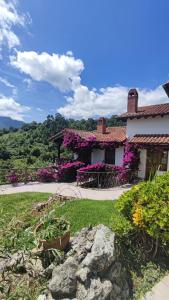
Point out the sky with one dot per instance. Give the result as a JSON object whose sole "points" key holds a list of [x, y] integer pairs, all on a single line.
{"points": [[80, 57]]}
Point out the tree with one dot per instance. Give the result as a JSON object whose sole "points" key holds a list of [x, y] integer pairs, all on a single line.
{"points": [[36, 152], [4, 153]]}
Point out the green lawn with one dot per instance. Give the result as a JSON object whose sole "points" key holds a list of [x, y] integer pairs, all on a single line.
{"points": [[15, 205], [18, 207], [80, 213]]}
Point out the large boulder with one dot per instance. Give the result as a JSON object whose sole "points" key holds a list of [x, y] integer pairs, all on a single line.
{"points": [[102, 253], [92, 269], [63, 283], [95, 290]]}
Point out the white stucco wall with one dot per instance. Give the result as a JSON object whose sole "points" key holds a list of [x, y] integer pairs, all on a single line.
{"points": [[98, 155], [157, 125], [119, 152], [142, 165]]}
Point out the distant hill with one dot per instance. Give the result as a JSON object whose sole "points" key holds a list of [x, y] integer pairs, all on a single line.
{"points": [[6, 122]]}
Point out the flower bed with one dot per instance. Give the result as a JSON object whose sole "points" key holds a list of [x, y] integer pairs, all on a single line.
{"points": [[67, 172]]}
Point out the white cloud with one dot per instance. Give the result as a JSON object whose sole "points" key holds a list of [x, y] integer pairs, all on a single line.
{"points": [[28, 82], [87, 103], [64, 71], [9, 18], [61, 71], [9, 107], [40, 109], [8, 84]]}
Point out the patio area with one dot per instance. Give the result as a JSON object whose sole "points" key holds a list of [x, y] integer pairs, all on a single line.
{"points": [[66, 189]]}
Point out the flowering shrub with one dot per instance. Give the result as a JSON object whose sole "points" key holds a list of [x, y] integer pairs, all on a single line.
{"points": [[46, 175], [68, 171], [145, 208], [119, 174], [98, 167], [13, 177]]}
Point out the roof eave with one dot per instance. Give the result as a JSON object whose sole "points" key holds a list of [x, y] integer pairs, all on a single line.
{"points": [[139, 116]]}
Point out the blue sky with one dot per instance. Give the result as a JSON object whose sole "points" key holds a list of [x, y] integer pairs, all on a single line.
{"points": [[80, 58]]}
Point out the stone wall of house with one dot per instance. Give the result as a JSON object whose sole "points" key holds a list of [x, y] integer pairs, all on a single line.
{"points": [[92, 269]]}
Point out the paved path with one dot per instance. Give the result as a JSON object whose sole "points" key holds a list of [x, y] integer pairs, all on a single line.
{"points": [[65, 189], [160, 291]]}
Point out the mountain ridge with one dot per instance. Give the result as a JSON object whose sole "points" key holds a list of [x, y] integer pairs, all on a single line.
{"points": [[7, 122]]}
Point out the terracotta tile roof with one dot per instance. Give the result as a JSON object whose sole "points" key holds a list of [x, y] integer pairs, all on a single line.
{"points": [[113, 134], [153, 139], [151, 110]]}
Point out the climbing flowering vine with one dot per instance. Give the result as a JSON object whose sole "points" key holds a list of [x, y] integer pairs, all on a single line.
{"points": [[131, 157], [74, 142]]}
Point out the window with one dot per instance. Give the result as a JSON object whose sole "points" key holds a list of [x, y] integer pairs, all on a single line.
{"points": [[110, 156]]}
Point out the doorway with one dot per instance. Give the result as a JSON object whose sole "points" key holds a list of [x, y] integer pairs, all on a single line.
{"points": [[157, 160]]}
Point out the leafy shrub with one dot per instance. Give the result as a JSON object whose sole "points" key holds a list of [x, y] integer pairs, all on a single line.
{"points": [[67, 172], [46, 175], [52, 227], [46, 156], [146, 208], [4, 153], [36, 152]]}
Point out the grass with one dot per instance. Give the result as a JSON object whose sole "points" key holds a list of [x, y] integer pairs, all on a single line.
{"points": [[15, 205], [17, 222], [86, 212], [80, 213]]}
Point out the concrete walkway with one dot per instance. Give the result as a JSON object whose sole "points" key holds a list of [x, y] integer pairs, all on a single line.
{"points": [[66, 189], [160, 291]]}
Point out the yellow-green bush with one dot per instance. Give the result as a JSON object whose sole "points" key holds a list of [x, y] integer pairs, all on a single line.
{"points": [[145, 208]]}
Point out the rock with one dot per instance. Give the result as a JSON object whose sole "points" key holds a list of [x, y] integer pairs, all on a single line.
{"points": [[82, 243], [102, 252], [42, 297], [63, 283], [97, 291], [3, 265], [48, 271], [93, 269], [114, 271], [34, 266], [83, 274]]}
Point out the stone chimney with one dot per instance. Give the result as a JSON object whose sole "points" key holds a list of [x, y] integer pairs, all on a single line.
{"points": [[101, 125], [132, 104]]}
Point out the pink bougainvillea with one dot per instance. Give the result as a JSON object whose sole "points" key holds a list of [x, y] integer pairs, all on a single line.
{"points": [[75, 143], [131, 156], [90, 172], [47, 175], [13, 177], [68, 171]]}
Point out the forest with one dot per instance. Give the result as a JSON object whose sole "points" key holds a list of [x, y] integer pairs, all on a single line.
{"points": [[30, 146]]}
